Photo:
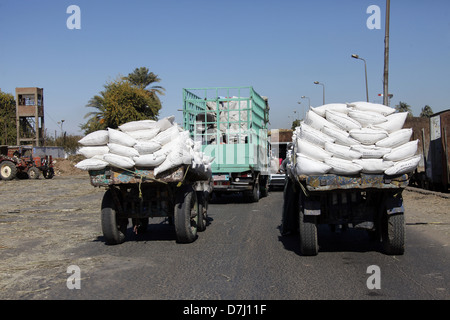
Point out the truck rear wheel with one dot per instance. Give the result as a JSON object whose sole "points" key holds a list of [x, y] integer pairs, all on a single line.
{"points": [[202, 211], [309, 245], [114, 228], [8, 170], [393, 233], [186, 214]]}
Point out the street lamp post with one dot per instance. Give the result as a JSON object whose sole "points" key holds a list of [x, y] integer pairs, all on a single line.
{"points": [[309, 104], [323, 86], [355, 56]]}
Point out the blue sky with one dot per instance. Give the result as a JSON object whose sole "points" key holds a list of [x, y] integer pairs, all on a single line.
{"points": [[278, 47]]}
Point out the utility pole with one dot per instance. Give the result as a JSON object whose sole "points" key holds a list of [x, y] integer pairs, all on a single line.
{"points": [[386, 57]]}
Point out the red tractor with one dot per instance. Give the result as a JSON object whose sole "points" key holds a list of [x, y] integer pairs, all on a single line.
{"points": [[19, 162]]}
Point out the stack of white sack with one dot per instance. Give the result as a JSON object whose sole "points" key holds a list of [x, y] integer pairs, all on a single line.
{"points": [[159, 145], [349, 139]]}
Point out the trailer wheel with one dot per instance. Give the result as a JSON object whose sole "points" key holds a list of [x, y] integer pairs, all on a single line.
{"points": [[265, 186], [393, 233], [34, 173], [8, 170], [255, 192], [114, 228], [186, 214], [202, 210], [309, 245]]}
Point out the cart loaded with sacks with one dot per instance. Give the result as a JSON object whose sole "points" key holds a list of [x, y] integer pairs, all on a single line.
{"points": [[348, 167], [149, 169]]}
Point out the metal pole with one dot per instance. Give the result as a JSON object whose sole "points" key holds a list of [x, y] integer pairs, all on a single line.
{"points": [[367, 85], [386, 57]]}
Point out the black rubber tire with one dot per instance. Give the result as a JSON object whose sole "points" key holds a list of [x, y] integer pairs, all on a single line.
{"points": [[114, 228], [309, 245], [8, 170], [186, 214], [203, 211], [255, 195], [393, 234], [49, 173]]}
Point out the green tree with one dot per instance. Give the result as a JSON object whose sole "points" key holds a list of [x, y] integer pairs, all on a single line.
{"points": [[123, 100], [295, 124], [404, 107], [8, 132], [142, 78], [426, 112]]}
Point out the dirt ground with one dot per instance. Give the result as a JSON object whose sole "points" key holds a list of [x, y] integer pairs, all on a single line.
{"points": [[43, 222]]}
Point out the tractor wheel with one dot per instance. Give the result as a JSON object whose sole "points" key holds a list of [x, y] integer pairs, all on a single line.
{"points": [[49, 173], [8, 170], [34, 173]]}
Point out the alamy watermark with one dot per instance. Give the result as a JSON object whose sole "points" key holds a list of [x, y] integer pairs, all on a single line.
{"points": [[374, 21], [374, 280], [74, 20], [74, 280]]}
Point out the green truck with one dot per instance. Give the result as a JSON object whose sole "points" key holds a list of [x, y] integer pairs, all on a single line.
{"points": [[230, 123]]}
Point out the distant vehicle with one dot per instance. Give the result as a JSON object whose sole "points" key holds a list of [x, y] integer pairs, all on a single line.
{"points": [[280, 141], [18, 161], [231, 124]]}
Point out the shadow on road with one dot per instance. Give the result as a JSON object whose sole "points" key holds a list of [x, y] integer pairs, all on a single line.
{"points": [[349, 240]]}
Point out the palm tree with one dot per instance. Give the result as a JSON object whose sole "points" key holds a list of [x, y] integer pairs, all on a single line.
{"points": [[142, 77], [426, 112], [404, 107]]}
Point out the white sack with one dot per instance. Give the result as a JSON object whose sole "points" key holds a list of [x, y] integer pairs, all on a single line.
{"points": [[313, 135], [396, 138], [137, 125], [167, 135], [394, 122], [122, 150], [405, 151], [148, 160], [341, 151], [339, 107], [91, 164], [96, 138], [367, 118], [147, 147], [179, 154], [342, 120], [342, 166], [368, 136], [311, 150], [145, 134], [119, 137], [91, 151], [373, 165], [119, 161], [317, 122], [165, 123], [308, 166], [371, 151], [340, 136], [404, 166], [375, 107]]}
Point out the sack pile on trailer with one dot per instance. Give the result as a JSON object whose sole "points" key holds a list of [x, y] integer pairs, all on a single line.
{"points": [[349, 139], [160, 145]]}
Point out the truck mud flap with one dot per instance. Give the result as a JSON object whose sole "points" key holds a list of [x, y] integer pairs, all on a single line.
{"points": [[394, 205], [311, 207]]}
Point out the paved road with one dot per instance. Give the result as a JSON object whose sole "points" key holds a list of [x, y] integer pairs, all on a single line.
{"points": [[241, 255]]}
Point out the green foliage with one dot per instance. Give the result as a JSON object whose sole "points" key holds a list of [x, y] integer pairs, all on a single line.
{"points": [[404, 107], [295, 124], [426, 112], [68, 142], [8, 132], [123, 100]]}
